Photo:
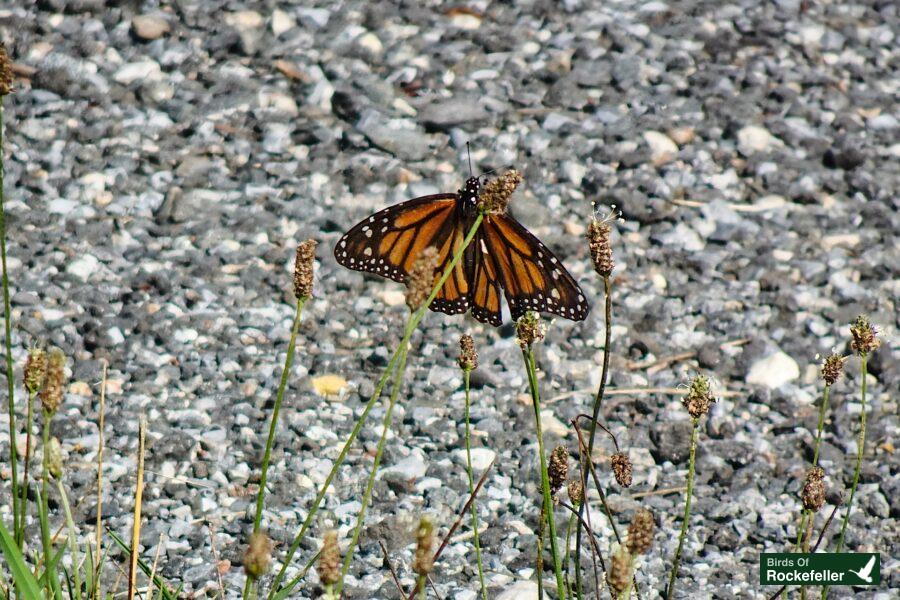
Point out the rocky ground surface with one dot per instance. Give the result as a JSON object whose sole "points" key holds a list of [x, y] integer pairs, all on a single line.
{"points": [[163, 160]]}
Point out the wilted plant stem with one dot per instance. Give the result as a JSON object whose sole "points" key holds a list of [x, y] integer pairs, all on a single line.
{"points": [[10, 378], [469, 471], [528, 355], [138, 509], [687, 509], [595, 415], [370, 484], [413, 322]]}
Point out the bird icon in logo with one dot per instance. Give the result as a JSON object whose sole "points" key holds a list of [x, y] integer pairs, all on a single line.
{"points": [[866, 572]]}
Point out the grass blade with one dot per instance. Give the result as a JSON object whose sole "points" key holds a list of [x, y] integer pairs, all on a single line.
{"points": [[25, 581]]}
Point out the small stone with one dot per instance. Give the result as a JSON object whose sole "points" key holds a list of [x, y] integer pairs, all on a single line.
{"points": [[773, 371], [753, 139], [144, 70], [446, 114], [662, 148], [291, 71], [282, 22], [245, 19], [278, 101], [82, 268], [465, 20], [393, 297], [80, 388], [370, 43], [552, 425], [481, 458], [329, 385], [394, 135], [682, 135], [410, 468], [150, 27], [521, 590]]}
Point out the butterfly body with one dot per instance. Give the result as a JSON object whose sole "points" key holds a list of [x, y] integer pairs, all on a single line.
{"points": [[502, 255]]}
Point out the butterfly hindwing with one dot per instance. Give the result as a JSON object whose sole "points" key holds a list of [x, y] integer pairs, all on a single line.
{"points": [[453, 297], [531, 276], [485, 283]]}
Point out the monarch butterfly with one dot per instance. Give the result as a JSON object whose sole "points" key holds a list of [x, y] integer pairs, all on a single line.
{"points": [[503, 254]]}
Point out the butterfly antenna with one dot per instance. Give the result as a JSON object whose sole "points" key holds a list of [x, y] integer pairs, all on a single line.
{"points": [[469, 153]]}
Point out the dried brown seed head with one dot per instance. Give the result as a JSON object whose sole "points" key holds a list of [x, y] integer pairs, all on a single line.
{"points": [[6, 74], [529, 330], [304, 269], [640, 532], [813, 494], [621, 467], [598, 243], [864, 336], [329, 567], [424, 556], [35, 370], [832, 368], [619, 575], [421, 278], [468, 357], [699, 397], [494, 198], [558, 469], [576, 492], [54, 381], [258, 556]]}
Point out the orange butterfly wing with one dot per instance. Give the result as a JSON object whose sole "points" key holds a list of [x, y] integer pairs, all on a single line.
{"points": [[388, 243], [485, 282], [532, 278]]}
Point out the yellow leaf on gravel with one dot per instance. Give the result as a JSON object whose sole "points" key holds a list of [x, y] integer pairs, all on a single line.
{"points": [[329, 385]]}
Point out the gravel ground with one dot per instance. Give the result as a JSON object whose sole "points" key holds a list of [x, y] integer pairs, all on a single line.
{"points": [[163, 160]]}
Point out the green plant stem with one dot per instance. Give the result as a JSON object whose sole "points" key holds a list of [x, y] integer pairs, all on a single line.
{"points": [[45, 505], [807, 516], [250, 583], [687, 509], [566, 552], [626, 593], [539, 557], [471, 475], [595, 414], [73, 546], [412, 323], [370, 484], [420, 586], [10, 378], [860, 450], [528, 355], [23, 506]]}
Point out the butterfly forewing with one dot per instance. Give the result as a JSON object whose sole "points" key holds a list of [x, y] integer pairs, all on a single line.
{"points": [[531, 276], [388, 242]]}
